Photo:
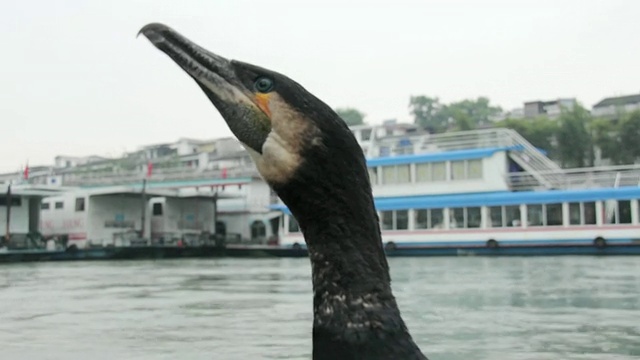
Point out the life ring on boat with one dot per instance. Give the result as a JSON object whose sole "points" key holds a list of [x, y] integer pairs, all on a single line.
{"points": [[296, 246], [600, 242], [390, 246], [492, 244]]}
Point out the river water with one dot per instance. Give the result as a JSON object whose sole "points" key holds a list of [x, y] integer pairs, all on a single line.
{"points": [[456, 308]]}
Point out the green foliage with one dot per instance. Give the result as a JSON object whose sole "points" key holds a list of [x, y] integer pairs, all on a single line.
{"points": [[627, 146], [430, 114], [427, 112], [540, 132], [351, 116], [575, 144]]}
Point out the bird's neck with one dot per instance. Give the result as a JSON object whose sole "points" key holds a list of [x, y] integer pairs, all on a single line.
{"points": [[355, 312]]}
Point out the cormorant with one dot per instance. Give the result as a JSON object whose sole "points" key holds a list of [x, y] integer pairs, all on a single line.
{"points": [[310, 158]]}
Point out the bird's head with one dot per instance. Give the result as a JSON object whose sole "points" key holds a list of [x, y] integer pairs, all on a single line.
{"points": [[288, 131]]}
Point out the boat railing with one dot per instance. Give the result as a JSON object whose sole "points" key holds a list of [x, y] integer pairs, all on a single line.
{"points": [[160, 175], [593, 177]]}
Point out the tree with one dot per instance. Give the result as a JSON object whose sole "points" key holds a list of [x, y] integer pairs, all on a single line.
{"points": [[604, 134], [472, 113], [540, 131], [575, 145], [629, 133], [351, 116], [426, 112], [462, 115]]}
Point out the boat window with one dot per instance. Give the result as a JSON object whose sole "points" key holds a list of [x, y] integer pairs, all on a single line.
{"points": [[387, 220], [617, 212], [438, 171], [157, 209], [423, 172], [421, 219], [436, 218], [474, 217], [59, 204], [15, 201], [402, 220], [388, 174], [575, 214], [403, 174], [384, 151], [495, 213], [456, 218], [512, 216], [582, 213], [373, 175], [79, 204], [44, 206], [293, 225], [589, 213], [474, 169], [554, 214], [365, 134], [258, 230], [535, 216], [457, 170], [624, 209]]}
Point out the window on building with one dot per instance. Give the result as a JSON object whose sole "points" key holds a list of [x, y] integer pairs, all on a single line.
{"points": [[59, 205], [157, 209], [44, 206], [79, 204]]}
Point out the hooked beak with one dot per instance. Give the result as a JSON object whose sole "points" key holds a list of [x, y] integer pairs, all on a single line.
{"points": [[216, 76]]}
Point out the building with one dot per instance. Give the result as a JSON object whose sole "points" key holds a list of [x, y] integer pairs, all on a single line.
{"points": [[551, 109], [612, 107]]}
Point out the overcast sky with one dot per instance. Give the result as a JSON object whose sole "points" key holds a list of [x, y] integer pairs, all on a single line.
{"points": [[74, 79]]}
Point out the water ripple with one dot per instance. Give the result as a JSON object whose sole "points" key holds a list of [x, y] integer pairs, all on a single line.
{"points": [[456, 308]]}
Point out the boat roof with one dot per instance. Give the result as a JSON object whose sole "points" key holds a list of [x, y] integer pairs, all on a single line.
{"points": [[29, 190], [499, 198], [134, 190], [463, 154]]}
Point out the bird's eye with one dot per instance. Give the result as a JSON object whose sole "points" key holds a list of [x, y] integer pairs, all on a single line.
{"points": [[264, 84]]}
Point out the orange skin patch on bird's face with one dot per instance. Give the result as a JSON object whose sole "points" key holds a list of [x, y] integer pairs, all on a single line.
{"points": [[262, 100]]}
